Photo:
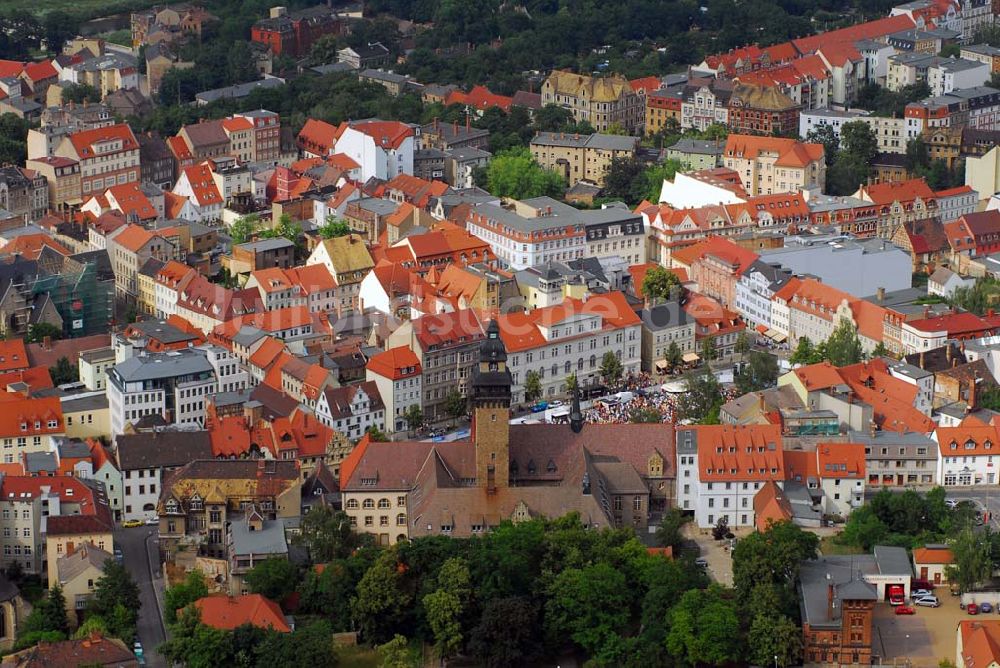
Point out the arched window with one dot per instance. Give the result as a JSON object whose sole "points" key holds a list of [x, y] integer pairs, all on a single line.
{"points": [[352, 504], [568, 366], [383, 503], [401, 520], [368, 503]]}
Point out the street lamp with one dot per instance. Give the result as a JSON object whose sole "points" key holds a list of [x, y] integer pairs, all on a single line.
{"points": [[775, 661]]}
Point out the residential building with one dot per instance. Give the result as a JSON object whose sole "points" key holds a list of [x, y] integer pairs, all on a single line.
{"points": [[755, 290], [601, 101], [370, 55], [293, 34], [398, 376], [202, 497], [892, 134], [107, 156], [570, 338], [855, 267], [775, 165], [348, 261], [382, 149], [581, 157], [77, 574], [956, 73], [147, 458], [62, 177], [899, 202], [24, 193], [129, 249], [716, 265], [931, 562], [228, 613], [663, 107], [966, 454], [250, 540], [755, 109], [663, 326], [446, 345], [352, 410], [30, 425], [697, 153]]}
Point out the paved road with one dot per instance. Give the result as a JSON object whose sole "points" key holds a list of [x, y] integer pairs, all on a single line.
{"points": [[983, 498], [141, 559]]}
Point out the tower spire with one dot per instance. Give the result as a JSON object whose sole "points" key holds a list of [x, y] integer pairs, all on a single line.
{"points": [[575, 414]]}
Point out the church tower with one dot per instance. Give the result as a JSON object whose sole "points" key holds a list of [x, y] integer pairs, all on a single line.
{"points": [[489, 399]]}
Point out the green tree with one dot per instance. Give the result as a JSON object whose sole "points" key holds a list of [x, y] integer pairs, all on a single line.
{"points": [[310, 645], [804, 352], [742, 345], [243, 228], [273, 578], [532, 387], [334, 227], [38, 332], [709, 352], [194, 644], [414, 417], [376, 434], [843, 347], [91, 625], [705, 628], [572, 384], [670, 532], [881, 351], [116, 599], [702, 400], [651, 179], [496, 642], [659, 284], [64, 372], [590, 606], [771, 557], [80, 94], [514, 173], [455, 405], [827, 136], [324, 50], [59, 27], [396, 653], [611, 368], [327, 534], [917, 155], [674, 357], [183, 594], [443, 610], [48, 615], [973, 561], [381, 603], [774, 640], [758, 373]]}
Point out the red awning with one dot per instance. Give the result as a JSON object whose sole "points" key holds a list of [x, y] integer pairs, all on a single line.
{"points": [[762, 329]]}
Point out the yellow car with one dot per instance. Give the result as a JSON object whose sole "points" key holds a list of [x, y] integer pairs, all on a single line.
{"points": [[128, 524]]}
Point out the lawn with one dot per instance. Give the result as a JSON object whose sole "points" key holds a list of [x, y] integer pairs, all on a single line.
{"points": [[88, 8], [357, 656], [828, 546]]}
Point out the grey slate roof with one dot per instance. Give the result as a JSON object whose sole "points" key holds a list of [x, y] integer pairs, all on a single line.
{"points": [[269, 540], [163, 365]]}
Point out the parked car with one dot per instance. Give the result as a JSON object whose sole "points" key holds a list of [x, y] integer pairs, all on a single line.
{"points": [[972, 609], [128, 524], [153, 521], [701, 562], [985, 607], [925, 585], [951, 503], [927, 601], [539, 407], [955, 589], [920, 593], [905, 610], [119, 555]]}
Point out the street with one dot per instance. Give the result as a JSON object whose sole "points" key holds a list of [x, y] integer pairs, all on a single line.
{"points": [[141, 555], [983, 498]]}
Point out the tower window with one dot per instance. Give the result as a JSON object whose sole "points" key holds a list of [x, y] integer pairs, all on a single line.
{"points": [[493, 418]]}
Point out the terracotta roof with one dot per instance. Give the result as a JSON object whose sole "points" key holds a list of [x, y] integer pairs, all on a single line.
{"points": [[10, 68], [851, 34], [840, 460], [41, 70], [339, 398], [970, 438], [434, 332], [318, 134], [312, 278], [179, 148], [90, 651], [48, 354], [736, 453], [267, 353], [30, 246], [199, 178], [84, 141], [342, 161], [770, 505], [980, 642], [387, 134], [933, 555], [132, 201], [13, 355], [718, 247], [395, 363], [230, 612], [134, 237], [173, 204], [790, 152], [897, 191], [521, 330]]}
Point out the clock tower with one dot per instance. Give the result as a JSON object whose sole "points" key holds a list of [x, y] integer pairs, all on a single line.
{"points": [[489, 399]]}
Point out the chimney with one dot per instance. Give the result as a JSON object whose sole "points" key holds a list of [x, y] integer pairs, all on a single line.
{"points": [[880, 295], [947, 351], [829, 600], [922, 358], [927, 312], [972, 394], [468, 122], [871, 428], [47, 343]]}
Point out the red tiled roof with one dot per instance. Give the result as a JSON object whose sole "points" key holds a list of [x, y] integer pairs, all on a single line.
{"points": [[202, 185], [980, 642], [318, 134], [10, 68], [13, 355], [134, 238], [898, 191], [29, 246], [131, 200], [521, 330], [230, 612], [29, 413], [84, 141], [790, 152], [739, 452], [41, 70], [933, 555], [395, 363], [387, 134]]}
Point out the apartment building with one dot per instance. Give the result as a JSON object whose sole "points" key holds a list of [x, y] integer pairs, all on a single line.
{"points": [[398, 375], [601, 101], [768, 165], [129, 249], [570, 338], [892, 134], [145, 460], [581, 157], [446, 346], [756, 109], [107, 156]]}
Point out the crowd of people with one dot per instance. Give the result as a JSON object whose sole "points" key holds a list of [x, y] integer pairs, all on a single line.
{"points": [[662, 403]]}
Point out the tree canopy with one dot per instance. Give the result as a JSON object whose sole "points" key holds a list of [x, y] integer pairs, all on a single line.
{"points": [[514, 173]]}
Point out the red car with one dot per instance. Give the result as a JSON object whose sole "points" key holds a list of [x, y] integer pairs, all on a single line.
{"points": [[921, 584], [905, 610], [972, 609]]}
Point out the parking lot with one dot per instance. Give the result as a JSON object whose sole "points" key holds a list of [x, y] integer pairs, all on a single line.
{"points": [[924, 638]]}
